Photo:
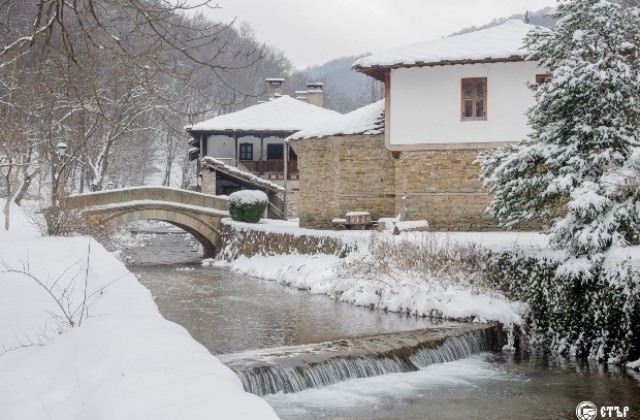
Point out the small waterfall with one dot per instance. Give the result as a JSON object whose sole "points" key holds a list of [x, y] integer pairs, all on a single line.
{"points": [[293, 369]]}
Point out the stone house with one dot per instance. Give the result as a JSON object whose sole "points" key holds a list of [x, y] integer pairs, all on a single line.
{"points": [[445, 101]]}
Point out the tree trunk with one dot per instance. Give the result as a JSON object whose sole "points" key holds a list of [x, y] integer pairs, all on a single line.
{"points": [[26, 183], [7, 213]]}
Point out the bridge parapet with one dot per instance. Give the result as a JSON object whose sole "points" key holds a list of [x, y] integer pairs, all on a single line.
{"points": [[147, 193]]}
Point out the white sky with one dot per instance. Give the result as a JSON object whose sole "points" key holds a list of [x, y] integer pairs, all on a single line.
{"points": [[316, 31]]}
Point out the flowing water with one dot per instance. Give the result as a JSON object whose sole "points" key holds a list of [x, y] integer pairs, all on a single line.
{"points": [[371, 365]]}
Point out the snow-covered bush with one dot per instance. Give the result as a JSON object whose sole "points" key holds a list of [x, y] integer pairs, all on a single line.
{"points": [[247, 205], [585, 128], [593, 312]]}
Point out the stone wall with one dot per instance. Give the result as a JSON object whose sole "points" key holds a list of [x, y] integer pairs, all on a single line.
{"points": [[442, 187], [339, 174], [342, 174], [249, 240], [208, 184]]}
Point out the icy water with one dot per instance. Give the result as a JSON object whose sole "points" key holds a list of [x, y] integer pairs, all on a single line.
{"points": [[229, 313]]}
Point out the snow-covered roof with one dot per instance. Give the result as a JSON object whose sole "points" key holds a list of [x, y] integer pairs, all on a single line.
{"points": [[280, 114], [499, 42], [218, 165], [366, 120]]}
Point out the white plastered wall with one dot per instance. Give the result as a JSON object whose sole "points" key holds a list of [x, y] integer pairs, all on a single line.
{"points": [[425, 104], [221, 147]]}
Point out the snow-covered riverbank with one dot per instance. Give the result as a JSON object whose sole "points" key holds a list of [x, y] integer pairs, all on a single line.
{"points": [[124, 361], [397, 291], [489, 276]]}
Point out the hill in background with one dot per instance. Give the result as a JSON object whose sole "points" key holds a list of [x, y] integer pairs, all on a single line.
{"points": [[346, 89]]}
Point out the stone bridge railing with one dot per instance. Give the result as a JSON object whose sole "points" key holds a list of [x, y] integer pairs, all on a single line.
{"points": [[102, 198]]}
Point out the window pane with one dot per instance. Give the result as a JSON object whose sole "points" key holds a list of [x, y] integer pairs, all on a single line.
{"points": [[275, 152], [468, 90], [246, 151], [468, 109], [480, 108], [480, 89]]}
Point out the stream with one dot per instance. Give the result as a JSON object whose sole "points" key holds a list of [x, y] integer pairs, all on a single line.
{"points": [[242, 320]]}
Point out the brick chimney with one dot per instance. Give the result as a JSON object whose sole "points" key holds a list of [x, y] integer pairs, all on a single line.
{"points": [[274, 87], [315, 94]]}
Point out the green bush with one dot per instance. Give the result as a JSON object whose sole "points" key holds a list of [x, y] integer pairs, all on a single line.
{"points": [[247, 206]]}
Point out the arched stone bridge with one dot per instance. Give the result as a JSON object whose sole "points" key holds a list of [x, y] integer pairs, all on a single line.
{"points": [[199, 214]]}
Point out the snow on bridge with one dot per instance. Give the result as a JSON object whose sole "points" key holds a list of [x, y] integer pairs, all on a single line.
{"points": [[199, 214]]}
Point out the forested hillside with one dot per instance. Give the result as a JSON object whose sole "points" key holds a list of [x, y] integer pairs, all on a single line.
{"points": [[539, 18], [345, 89]]}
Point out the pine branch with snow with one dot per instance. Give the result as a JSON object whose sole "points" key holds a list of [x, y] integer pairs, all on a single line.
{"points": [[585, 128]]}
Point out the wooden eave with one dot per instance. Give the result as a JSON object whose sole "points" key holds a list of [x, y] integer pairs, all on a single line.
{"points": [[241, 133], [378, 72]]}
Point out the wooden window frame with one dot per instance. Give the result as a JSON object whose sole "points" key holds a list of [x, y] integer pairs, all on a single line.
{"points": [[245, 153], [474, 99]]}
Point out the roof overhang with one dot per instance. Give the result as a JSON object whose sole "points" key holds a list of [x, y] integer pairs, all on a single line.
{"points": [[378, 72], [241, 133]]}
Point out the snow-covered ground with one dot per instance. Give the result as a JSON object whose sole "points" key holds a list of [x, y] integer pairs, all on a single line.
{"points": [[397, 291], [123, 360]]}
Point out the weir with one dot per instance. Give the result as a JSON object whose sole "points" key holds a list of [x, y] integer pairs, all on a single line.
{"points": [[294, 369]]}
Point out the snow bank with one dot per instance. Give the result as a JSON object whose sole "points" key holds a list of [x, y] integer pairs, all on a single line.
{"points": [[333, 276], [123, 362]]}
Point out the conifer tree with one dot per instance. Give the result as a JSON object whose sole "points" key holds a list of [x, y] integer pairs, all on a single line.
{"points": [[575, 171]]}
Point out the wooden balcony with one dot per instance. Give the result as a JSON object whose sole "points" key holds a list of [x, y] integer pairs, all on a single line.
{"points": [[270, 166]]}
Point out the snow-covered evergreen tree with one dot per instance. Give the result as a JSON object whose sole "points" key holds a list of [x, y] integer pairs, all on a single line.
{"points": [[573, 172]]}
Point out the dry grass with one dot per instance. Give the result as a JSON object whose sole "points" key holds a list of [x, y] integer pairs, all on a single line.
{"points": [[425, 256]]}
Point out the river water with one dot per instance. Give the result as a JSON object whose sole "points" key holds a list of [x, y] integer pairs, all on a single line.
{"points": [[229, 313]]}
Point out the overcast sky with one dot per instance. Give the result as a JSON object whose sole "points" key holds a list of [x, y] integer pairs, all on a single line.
{"points": [[316, 31]]}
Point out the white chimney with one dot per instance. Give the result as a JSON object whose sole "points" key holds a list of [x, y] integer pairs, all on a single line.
{"points": [[274, 87], [315, 94]]}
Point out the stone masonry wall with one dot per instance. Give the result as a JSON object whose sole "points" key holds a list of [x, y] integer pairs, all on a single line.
{"points": [[442, 186], [249, 240], [366, 176], [208, 184], [317, 168], [342, 174], [350, 173]]}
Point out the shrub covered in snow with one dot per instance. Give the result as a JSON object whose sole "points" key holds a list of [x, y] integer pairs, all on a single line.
{"points": [[247, 206], [592, 312]]}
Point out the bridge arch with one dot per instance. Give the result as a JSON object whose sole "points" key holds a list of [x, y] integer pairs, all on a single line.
{"points": [[205, 232]]}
